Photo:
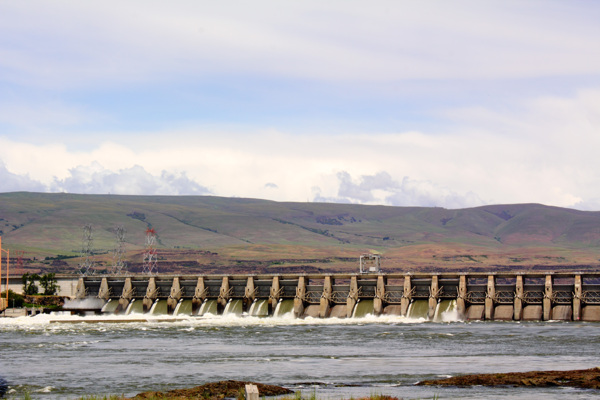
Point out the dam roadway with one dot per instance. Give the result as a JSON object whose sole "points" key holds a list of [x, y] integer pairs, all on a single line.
{"points": [[527, 296]]}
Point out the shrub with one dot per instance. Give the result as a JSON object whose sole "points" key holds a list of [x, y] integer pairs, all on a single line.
{"points": [[49, 284], [14, 299], [29, 286]]}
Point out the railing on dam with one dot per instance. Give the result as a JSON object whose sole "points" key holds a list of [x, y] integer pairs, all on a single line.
{"points": [[554, 295]]}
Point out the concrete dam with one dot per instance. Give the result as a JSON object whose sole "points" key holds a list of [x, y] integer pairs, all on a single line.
{"points": [[565, 296]]}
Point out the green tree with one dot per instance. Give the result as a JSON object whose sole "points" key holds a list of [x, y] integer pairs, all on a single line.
{"points": [[29, 286], [14, 299], [49, 283]]}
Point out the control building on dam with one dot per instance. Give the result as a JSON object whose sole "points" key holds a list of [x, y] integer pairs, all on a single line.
{"points": [[567, 296]]}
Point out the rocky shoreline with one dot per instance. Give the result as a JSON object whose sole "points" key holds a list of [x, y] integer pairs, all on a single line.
{"points": [[584, 378]]}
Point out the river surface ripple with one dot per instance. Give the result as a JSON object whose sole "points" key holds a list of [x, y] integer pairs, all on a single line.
{"points": [[334, 358]]}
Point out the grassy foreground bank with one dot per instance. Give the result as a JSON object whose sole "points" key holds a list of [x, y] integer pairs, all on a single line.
{"points": [[297, 396]]}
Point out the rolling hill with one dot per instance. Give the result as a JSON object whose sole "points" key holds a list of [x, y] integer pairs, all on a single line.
{"points": [[214, 234]]}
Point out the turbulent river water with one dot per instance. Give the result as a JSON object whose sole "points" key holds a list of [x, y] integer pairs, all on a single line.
{"points": [[334, 358]]}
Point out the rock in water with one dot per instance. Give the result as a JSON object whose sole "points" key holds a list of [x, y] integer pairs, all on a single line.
{"points": [[583, 378], [213, 391], [3, 387]]}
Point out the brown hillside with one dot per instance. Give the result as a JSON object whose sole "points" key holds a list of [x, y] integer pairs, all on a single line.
{"points": [[214, 234]]}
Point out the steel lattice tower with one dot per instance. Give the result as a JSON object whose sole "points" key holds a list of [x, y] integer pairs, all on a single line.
{"points": [[150, 266], [119, 266], [86, 266], [20, 263]]}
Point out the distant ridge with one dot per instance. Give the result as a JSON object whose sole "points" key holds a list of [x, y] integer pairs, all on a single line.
{"points": [[208, 233]]}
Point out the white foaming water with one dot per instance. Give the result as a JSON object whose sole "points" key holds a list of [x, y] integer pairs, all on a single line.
{"points": [[177, 307], [128, 310], [233, 307], [209, 320], [446, 311], [451, 316], [110, 306], [84, 304], [284, 308], [251, 311]]}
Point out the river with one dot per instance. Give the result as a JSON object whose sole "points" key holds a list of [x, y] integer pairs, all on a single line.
{"points": [[334, 358]]}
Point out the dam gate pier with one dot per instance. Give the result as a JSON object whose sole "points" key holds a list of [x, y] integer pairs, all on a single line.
{"points": [[544, 296]]}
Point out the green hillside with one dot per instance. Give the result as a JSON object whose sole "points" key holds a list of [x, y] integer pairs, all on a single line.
{"points": [[209, 234]]}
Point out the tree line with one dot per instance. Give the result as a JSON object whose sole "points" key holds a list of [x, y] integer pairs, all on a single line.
{"points": [[48, 283]]}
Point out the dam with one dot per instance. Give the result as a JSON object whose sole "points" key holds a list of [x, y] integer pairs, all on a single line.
{"points": [[528, 296]]}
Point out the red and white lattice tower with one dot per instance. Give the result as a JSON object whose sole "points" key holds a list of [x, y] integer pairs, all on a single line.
{"points": [[20, 263], [150, 266]]}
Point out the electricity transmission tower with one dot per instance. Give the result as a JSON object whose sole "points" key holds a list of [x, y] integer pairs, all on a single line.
{"points": [[150, 264], [86, 267], [119, 265]]}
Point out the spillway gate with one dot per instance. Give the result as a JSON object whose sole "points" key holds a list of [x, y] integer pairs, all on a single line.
{"points": [[567, 296]]}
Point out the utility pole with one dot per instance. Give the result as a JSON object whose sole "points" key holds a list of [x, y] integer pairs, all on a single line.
{"points": [[7, 271]]}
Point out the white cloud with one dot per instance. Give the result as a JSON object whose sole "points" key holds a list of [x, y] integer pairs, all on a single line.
{"points": [[542, 150], [588, 205], [381, 188], [95, 179], [11, 182], [83, 44]]}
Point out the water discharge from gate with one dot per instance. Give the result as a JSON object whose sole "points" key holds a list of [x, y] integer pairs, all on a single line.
{"points": [[446, 311], [135, 307], [159, 308], [418, 309], [208, 307], [259, 308], [233, 307], [184, 307], [284, 307], [110, 307], [363, 308]]}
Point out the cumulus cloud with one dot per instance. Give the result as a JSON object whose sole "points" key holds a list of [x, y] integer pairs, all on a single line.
{"points": [[10, 182], [543, 150], [364, 190], [381, 188], [428, 194], [592, 204], [95, 179]]}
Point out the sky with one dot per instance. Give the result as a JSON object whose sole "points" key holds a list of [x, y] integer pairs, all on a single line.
{"points": [[449, 104]]}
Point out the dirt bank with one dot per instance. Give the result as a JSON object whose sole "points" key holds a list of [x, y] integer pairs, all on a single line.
{"points": [[213, 391], [584, 378], [41, 300]]}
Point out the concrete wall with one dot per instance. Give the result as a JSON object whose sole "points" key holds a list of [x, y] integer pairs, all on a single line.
{"points": [[67, 284]]}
